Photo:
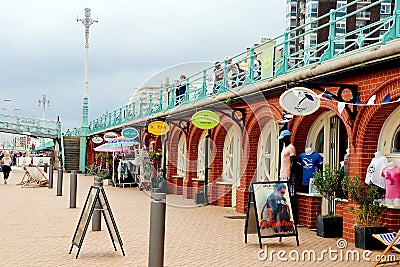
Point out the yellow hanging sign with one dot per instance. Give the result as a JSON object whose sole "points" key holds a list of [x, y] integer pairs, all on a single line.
{"points": [[158, 128]]}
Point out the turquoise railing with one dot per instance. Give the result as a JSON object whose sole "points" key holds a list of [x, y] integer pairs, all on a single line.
{"points": [[285, 59]]}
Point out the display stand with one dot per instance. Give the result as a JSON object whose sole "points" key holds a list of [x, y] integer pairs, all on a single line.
{"points": [[127, 173]]}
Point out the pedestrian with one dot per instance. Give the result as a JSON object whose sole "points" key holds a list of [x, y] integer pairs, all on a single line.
{"points": [[181, 90], [6, 166]]}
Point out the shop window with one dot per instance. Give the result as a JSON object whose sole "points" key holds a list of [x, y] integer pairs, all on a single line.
{"points": [[396, 142], [181, 166], [319, 144]]}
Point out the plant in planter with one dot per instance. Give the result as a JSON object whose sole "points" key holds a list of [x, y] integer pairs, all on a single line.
{"points": [[155, 155], [327, 182], [368, 212]]}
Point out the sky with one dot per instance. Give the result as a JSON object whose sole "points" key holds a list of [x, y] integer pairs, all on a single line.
{"points": [[42, 48]]}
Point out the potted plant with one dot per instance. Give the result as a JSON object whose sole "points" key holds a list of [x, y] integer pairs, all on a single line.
{"points": [[368, 212], [327, 182]]}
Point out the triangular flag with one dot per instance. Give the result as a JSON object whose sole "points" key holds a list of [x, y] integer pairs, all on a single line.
{"points": [[386, 99], [340, 106], [358, 101], [371, 101], [329, 96]]}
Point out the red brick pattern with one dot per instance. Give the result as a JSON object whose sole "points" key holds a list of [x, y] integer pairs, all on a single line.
{"points": [[309, 207]]}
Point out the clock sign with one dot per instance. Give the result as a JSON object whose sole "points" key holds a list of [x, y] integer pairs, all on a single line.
{"points": [[300, 101]]}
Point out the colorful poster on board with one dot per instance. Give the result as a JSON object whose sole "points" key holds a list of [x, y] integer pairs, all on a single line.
{"points": [[273, 207]]}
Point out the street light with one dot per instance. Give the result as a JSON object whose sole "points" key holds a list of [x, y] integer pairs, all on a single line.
{"points": [[87, 22], [10, 109], [44, 102]]}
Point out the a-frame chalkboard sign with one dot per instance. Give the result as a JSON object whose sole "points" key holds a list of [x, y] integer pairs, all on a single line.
{"points": [[95, 194], [269, 211]]}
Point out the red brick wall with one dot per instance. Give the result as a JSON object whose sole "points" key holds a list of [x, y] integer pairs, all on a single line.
{"points": [[308, 209]]}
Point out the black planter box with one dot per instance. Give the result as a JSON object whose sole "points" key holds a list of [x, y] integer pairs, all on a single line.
{"points": [[364, 238], [329, 226]]}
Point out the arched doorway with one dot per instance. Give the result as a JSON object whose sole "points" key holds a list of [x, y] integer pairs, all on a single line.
{"points": [[266, 153], [231, 160]]}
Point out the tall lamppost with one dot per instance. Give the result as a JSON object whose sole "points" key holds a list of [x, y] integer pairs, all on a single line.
{"points": [[44, 102], [87, 22]]}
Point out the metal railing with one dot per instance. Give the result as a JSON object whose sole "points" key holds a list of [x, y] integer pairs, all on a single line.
{"points": [[279, 56]]}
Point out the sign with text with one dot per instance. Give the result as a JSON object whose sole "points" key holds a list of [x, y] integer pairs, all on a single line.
{"points": [[205, 119], [158, 128], [130, 133], [110, 135]]}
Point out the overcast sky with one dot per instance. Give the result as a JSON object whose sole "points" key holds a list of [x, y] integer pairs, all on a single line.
{"points": [[42, 47]]}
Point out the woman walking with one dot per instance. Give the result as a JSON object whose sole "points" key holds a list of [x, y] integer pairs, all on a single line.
{"points": [[6, 165]]}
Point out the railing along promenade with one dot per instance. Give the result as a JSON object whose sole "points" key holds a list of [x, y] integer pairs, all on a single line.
{"points": [[279, 57]]}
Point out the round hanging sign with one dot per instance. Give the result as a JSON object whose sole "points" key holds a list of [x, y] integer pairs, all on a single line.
{"points": [[129, 133], [300, 101], [158, 128], [97, 139], [205, 119], [110, 135]]}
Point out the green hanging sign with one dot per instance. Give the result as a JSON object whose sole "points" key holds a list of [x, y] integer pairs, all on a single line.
{"points": [[205, 119], [129, 133]]}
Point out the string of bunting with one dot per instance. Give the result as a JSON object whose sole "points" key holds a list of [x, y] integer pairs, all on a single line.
{"points": [[370, 102]]}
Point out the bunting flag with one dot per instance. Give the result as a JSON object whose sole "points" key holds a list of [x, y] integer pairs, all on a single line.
{"points": [[371, 102]]}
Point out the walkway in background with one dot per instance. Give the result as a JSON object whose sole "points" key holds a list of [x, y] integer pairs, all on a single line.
{"points": [[38, 226]]}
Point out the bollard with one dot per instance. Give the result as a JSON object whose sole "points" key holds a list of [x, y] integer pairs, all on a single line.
{"points": [[96, 218], [45, 167], [157, 229], [72, 189], [50, 185], [59, 181]]}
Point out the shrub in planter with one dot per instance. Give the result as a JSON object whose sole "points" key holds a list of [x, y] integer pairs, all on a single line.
{"points": [[368, 212], [327, 182]]}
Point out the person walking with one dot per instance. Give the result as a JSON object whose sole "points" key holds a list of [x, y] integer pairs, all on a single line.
{"points": [[6, 165]]}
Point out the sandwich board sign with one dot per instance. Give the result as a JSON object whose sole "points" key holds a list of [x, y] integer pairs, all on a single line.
{"points": [[96, 193], [269, 211]]}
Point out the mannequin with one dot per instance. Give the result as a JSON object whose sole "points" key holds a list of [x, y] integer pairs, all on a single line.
{"points": [[311, 162], [374, 170], [288, 160], [392, 179]]}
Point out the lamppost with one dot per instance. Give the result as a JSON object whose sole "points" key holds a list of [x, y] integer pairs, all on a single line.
{"points": [[87, 22], [44, 102]]}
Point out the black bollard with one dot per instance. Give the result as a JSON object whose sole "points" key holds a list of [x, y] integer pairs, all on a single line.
{"points": [[72, 189], [45, 167], [50, 185], [59, 181], [96, 219], [157, 229]]}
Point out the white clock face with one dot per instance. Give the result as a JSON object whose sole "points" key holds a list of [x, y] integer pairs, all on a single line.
{"points": [[299, 101]]}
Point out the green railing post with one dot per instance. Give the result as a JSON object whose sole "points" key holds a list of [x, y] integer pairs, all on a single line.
{"points": [[251, 74], [224, 86], [115, 118], [160, 107], [394, 30], [285, 57], [172, 101], [126, 113], [150, 111], [203, 93], [133, 110], [330, 50], [186, 99], [141, 108]]}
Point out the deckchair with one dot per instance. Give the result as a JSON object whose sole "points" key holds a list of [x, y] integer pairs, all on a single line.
{"points": [[391, 240], [33, 177]]}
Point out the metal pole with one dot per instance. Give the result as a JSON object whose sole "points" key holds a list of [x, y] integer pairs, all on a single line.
{"points": [[207, 146], [45, 166], [157, 230], [50, 176], [72, 189], [164, 171], [59, 181], [96, 219]]}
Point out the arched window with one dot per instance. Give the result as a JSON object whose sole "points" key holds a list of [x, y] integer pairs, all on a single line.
{"points": [[181, 166], [201, 153]]}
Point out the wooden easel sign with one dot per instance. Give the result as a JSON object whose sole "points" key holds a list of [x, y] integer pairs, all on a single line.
{"points": [[95, 194], [269, 211]]}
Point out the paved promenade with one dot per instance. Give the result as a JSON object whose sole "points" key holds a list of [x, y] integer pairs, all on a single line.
{"points": [[38, 226]]}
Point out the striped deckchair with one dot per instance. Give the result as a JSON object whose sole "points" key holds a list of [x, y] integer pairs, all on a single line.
{"points": [[391, 240]]}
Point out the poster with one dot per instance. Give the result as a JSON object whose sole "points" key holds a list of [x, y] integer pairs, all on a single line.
{"points": [[273, 209]]}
